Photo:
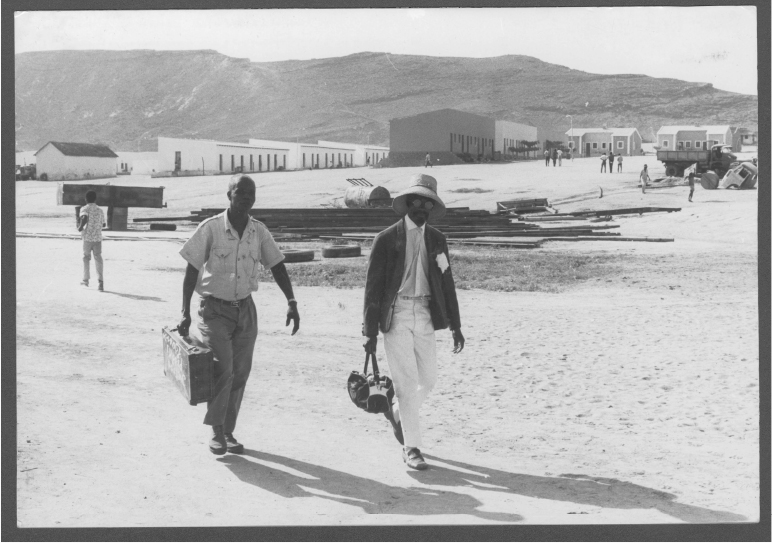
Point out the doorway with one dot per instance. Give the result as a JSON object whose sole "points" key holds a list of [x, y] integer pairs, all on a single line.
{"points": [[587, 149]]}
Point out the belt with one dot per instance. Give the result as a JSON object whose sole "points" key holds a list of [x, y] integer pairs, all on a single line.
{"points": [[234, 303], [426, 297]]}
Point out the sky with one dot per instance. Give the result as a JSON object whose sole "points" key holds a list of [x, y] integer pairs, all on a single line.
{"points": [[708, 44]]}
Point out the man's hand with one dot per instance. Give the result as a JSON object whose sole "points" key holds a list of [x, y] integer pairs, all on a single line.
{"points": [[371, 344], [294, 316], [183, 328], [458, 341]]}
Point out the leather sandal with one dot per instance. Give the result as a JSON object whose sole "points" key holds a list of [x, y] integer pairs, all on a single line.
{"points": [[414, 459]]}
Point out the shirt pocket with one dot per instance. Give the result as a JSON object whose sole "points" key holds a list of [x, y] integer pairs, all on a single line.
{"points": [[252, 262], [220, 259]]}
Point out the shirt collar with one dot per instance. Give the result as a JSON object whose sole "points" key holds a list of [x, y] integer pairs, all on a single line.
{"points": [[231, 229], [411, 225]]}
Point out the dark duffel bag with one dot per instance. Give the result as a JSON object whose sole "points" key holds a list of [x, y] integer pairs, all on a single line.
{"points": [[370, 391]]}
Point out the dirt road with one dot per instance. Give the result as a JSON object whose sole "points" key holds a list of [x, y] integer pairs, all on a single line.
{"points": [[631, 400]]}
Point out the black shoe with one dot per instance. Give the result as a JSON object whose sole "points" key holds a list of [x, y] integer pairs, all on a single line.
{"points": [[396, 426], [414, 459], [101, 286], [232, 445], [217, 443]]}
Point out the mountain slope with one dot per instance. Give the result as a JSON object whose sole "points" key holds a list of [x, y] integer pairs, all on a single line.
{"points": [[127, 98]]}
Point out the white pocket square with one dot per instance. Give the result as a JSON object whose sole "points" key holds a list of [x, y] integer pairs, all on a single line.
{"points": [[442, 262]]}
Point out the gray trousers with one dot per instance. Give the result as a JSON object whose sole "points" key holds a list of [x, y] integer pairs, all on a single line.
{"points": [[96, 248], [230, 331]]}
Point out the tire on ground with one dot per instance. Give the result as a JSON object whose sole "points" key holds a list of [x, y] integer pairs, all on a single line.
{"points": [[341, 251], [671, 171], [162, 226], [709, 180], [298, 255]]}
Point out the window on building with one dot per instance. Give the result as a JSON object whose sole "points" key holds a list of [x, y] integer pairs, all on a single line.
{"points": [[665, 143], [595, 145], [688, 144], [603, 145], [620, 145]]}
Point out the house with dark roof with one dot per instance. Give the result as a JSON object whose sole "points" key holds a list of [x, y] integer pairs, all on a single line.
{"points": [[62, 161]]}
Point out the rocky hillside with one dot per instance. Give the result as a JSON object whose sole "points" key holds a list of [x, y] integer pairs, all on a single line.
{"points": [[127, 98]]}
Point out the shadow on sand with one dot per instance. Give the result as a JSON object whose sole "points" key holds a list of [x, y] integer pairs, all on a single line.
{"points": [[290, 478], [570, 487], [134, 296]]}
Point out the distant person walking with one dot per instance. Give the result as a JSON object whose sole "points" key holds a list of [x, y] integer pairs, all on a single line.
{"points": [[603, 159], [92, 220], [644, 177], [546, 157], [554, 157], [611, 162], [619, 163], [560, 157], [428, 160], [691, 185]]}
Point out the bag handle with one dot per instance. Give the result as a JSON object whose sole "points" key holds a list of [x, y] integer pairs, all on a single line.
{"points": [[375, 366]]}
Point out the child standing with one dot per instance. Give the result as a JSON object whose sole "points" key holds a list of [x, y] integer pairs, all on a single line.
{"points": [[92, 219]]}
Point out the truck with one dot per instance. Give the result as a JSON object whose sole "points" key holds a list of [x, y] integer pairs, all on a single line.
{"points": [[718, 158], [24, 173]]}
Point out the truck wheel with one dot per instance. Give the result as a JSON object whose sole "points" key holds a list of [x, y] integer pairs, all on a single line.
{"points": [[341, 251], [709, 180], [671, 171], [298, 255]]}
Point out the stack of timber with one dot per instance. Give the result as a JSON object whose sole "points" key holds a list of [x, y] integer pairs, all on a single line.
{"points": [[524, 205], [460, 225]]}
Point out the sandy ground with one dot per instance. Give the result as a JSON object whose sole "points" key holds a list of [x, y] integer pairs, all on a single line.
{"points": [[625, 400]]}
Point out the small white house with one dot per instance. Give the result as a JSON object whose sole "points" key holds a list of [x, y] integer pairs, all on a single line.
{"points": [[62, 161], [677, 138]]}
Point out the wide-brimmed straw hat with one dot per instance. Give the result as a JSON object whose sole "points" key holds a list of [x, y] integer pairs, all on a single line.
{"points": [[422, 185]]}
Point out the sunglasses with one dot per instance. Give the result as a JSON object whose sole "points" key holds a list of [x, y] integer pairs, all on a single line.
{"points": [[426, 204]]}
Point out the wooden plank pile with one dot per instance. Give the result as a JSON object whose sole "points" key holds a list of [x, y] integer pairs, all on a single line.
{"points": [[460, 225]]}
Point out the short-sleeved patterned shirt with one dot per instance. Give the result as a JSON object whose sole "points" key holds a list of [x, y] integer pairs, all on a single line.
{"points": [[227, 266], [96, 218]]}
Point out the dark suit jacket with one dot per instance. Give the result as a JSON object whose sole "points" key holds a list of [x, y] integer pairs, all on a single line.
{"points": [[384, 277]]}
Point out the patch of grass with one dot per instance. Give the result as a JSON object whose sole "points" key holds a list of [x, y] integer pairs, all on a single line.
{"points": [[475, 190], [512, 270], [499, 269]]}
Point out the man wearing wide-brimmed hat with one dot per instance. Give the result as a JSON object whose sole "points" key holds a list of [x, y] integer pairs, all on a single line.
{"points": [[408, 295]]}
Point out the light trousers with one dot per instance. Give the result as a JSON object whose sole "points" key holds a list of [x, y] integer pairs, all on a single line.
{"points": [[96, 248], [412, 359], [231, 332]]}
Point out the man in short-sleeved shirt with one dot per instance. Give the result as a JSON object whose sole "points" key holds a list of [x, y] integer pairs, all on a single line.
{"points": [[223, 256], [92, 219]]}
